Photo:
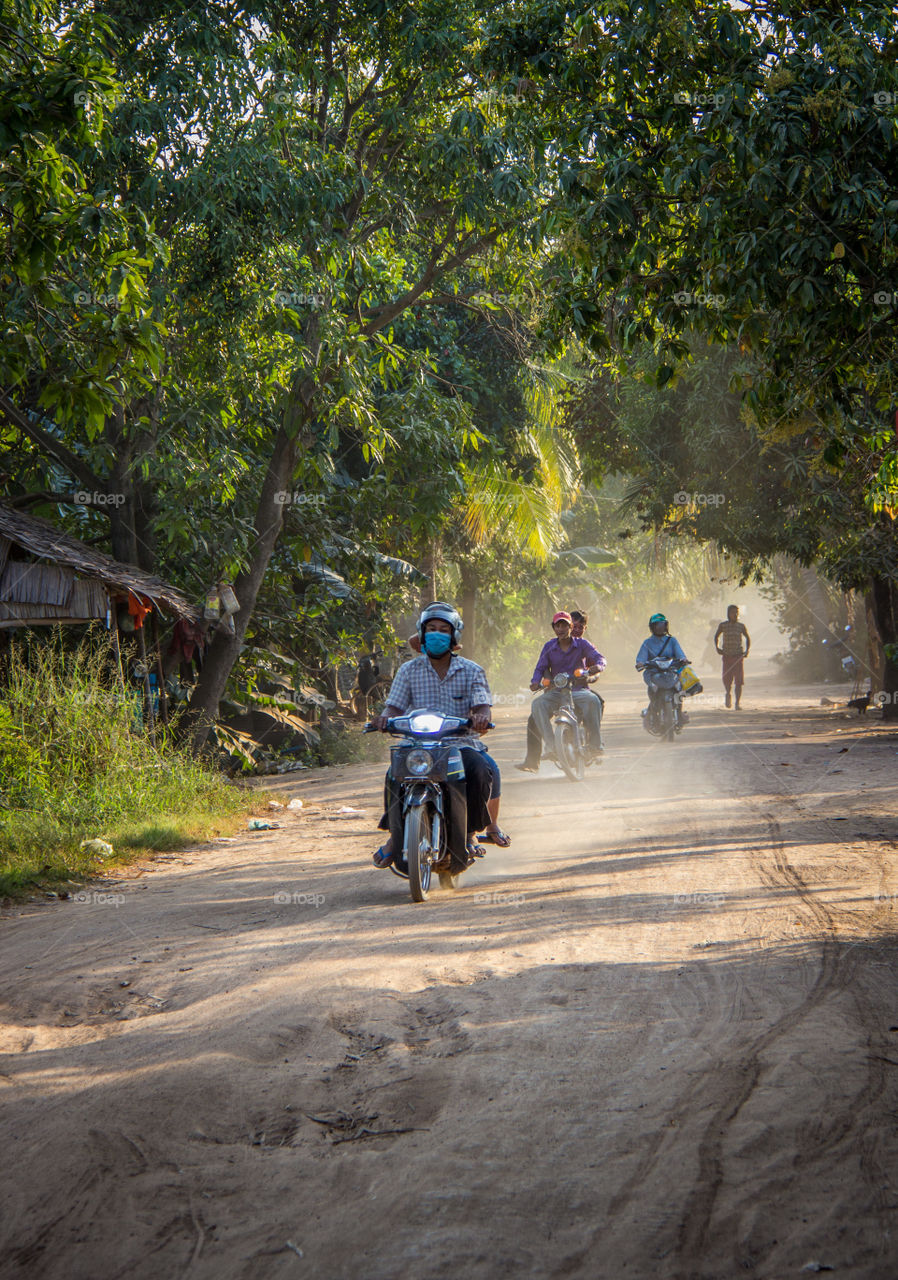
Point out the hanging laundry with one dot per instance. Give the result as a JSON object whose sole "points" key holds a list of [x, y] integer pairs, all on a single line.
{"points": [[139, 607]]}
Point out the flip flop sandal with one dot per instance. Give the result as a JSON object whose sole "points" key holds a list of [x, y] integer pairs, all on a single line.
{"points": [[496, 837], [383, 860], [474, 851]]}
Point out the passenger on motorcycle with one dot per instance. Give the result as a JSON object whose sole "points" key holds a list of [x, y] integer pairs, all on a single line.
{"points": [[566, 654], [530, 763], [441, 680], [493, 833]]}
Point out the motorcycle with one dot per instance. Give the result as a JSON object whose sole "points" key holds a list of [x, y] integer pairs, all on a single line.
{"points": [[423, 769], [571, 749], [664, 716]]}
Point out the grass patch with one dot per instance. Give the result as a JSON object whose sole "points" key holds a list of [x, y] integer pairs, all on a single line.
{"points": [[76, 764]]}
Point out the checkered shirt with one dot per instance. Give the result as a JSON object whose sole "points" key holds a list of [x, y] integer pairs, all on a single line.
{"points": [[416, 686], [731, 635]]}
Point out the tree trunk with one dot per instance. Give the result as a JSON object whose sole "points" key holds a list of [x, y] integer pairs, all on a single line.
{"points": [[875, 655], [122, 535], [224, 649], [469, 609], [883, 597], [430, 566]]}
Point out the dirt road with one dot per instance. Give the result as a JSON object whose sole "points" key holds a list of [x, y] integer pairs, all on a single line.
{"points": [[658, 1037]]}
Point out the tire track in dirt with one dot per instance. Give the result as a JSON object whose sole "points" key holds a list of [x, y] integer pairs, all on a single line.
{"points": [[836, 972]]}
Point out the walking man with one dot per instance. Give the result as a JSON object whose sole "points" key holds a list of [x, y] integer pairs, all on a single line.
{"points": [[728, 642]]}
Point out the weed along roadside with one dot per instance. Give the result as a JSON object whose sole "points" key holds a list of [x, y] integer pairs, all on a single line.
{"points": [[82, 787]]}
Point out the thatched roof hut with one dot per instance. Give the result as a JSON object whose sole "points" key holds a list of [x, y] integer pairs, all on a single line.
{"points": [[48, 576]]}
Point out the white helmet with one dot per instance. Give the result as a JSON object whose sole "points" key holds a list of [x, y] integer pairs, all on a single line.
{"points": [[448, 613]]}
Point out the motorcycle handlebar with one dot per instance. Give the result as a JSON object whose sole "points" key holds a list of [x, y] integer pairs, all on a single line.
{"points": [[579, 673], [469, 723]]}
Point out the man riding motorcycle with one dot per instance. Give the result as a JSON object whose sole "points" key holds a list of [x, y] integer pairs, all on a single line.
{"points": [[566, 654], [530, 763], [441, 680]]}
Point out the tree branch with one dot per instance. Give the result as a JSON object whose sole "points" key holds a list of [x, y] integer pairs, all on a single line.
{"points": [[382, 316], [76, 466]]}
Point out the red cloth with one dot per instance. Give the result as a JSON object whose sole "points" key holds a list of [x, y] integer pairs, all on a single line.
{"points": [[139, 607], [187, 637]]}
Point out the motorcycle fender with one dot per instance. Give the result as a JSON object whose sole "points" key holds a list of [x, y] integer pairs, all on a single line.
{"points": [[423, 793]]}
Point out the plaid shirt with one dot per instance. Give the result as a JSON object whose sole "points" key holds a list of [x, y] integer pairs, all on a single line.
{"points": [[416, 686], [731, 635]]}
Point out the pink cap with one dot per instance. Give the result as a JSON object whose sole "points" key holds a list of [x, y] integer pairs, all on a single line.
{"points": [[559, 616]]}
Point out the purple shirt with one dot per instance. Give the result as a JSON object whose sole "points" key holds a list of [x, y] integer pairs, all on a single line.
{"points": [[553, 660]]}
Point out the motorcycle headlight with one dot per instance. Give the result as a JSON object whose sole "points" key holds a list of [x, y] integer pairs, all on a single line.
{"points": [[561, 681], [419, 761], [425, 722]]}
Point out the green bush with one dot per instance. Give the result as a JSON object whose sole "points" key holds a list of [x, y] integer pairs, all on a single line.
{"points": [[76, 763]]}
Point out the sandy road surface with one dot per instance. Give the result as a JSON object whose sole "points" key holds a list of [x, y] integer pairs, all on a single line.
{"points": [[657, 1037]]}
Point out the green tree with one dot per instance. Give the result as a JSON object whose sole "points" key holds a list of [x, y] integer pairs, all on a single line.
{"points": [[730, 176]]}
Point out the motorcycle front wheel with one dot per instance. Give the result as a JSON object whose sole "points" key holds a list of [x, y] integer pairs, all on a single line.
{"points": [[668, 720], [419, 847], [567, 750]]}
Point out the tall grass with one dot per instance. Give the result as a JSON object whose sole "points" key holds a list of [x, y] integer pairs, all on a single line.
{"points": [[76, 763]]}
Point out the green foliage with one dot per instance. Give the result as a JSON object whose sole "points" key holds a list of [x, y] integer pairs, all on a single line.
{"points": [[365, 232], [76, 764], [73, 291]]}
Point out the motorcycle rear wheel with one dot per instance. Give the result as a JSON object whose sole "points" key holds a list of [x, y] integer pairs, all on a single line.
{"points": [[419, 850], [567, 751]]}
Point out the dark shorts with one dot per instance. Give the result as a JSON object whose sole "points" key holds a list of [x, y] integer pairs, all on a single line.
{"points": [[494, 770], [732, 671]]}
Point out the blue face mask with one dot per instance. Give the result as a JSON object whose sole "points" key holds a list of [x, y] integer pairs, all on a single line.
{"points": [[437, 643]]}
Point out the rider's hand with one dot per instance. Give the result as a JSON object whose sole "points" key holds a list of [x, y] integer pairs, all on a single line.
{"points": [[379, 722], [534, 688], [480, 723]]}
